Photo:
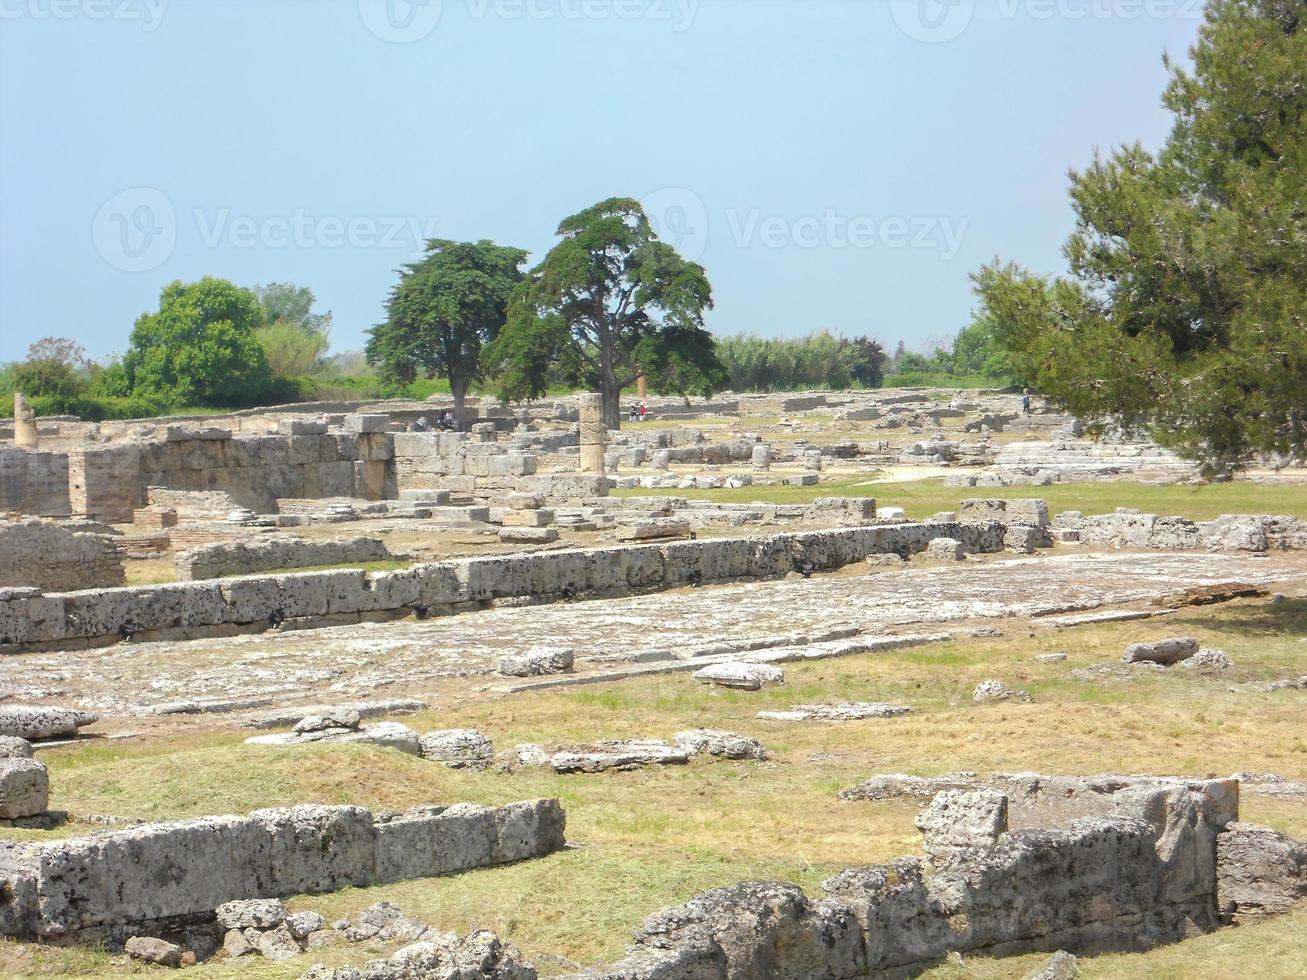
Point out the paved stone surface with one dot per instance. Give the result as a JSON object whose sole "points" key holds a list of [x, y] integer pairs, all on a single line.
{"points": [[351, 662]]}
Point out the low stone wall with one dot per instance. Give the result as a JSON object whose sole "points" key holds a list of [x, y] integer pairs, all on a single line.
{"points": [[47, 556], [229, 606], [111, 883], [1143, 874], [1231, 532], [274, 551]]}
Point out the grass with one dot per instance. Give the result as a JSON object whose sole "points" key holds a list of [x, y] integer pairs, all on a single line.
{"points": [[643, 840], [921, 498]]}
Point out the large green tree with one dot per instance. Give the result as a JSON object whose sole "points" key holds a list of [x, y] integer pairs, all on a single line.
{"points": [[200, 347], [444, 309], [609, 303], [1186, 308]]}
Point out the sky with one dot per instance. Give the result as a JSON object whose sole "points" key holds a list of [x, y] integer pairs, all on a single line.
{"points": [[842, 164]]}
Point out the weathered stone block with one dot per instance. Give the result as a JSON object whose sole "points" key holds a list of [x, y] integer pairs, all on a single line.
{"points": [[24, 788]]}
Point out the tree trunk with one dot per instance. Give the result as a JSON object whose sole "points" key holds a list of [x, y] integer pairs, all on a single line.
{"points": [[610, 389], [458, 388]]}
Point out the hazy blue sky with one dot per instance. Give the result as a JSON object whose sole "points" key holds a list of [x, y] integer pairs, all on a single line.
{"points": [[832, 164]]}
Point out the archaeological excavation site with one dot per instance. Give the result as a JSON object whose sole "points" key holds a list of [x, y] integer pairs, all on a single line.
{"points": [[830, 685]]}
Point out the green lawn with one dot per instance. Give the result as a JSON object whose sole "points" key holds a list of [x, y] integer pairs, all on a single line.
{"points": [[922, 498]]}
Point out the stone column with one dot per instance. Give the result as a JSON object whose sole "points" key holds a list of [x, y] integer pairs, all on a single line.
{"points": [[593, 434], [25, 434], [641, 387]]}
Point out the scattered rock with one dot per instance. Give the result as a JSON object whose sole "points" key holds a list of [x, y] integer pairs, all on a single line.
{"points": [[620, 756], [1259, 871], [726, 745], [1060, 966], [530, 755], [321, 939], [1208, 660], [536, 662], [990, 691], [347, 718], [1051, 658], [301, 924], [458, 748], [889, 560], [740, 675], [276, 944], [155, 951], [442, 956], [1288, 684], [846, 711], [385, 923], [1164, 652], [1208, 595], [896, 786], [527, 535], [251, 913], [235, 945]]}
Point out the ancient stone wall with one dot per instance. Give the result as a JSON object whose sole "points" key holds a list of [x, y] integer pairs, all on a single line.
{"points": [[1234, 532], [34, 483], [110, 882], [226, 606], [1144, 873], [274, 551], [46, 556]]}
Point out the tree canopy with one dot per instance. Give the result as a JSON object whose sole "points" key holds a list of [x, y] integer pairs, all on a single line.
{"points": [[200, 347], [443, 311], [1186, 307], [608, 303]]}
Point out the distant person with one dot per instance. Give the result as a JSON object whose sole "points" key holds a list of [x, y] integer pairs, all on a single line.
{"points": [[644, 411], [634, 414], [1025, 402]]}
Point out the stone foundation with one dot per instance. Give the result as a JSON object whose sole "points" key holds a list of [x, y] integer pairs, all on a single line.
{"points": [[274, 551], [222, 607], [1143, 872], [114, 883], [47, 556]]}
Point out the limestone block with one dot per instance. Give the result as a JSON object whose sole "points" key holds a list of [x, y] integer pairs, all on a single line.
{"points": [[1259, 871], [740, 675], [24, 788], [367, 423], [1165, 652], [962, 819], [536, 661], [1033, 512], [524, 501], [33, 722], [527, 535], [13, 747], [435, 841], [658, 527], [945, 549], [528, 518], [726, 745], [316, 848], [251, 913], [301, 427], [618, 756], [528, 829], [802, 480], [1025, 539], [459, 748]]}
